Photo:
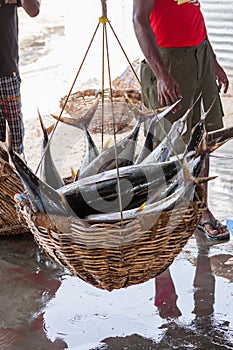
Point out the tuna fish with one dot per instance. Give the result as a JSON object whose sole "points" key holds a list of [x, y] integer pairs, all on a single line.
{"points": [[48, 173], [91, 151]]}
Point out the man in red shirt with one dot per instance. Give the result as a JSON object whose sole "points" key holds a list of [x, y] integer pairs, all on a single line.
{"points": [[180, 63]]}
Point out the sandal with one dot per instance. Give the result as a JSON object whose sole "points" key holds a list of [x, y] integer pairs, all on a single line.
{"points": [[215, 226]]}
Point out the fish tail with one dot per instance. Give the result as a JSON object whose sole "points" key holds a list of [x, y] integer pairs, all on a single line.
{"points": [[184, 118], [73, 173], [213, 148], [45, 132], [87, 118], [80, 122], [201, 180], [141, 115], [205, 113], [189, 179], [137, 112]]}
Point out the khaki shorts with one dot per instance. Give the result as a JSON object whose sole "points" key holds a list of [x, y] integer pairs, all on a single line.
{"points": [[193, 69]]}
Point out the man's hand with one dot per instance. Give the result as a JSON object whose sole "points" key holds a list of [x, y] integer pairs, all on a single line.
{"points": [[10, 1], [168, 92], [221, 77]]}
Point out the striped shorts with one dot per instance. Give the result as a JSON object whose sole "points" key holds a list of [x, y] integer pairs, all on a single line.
{"points": [[10, 112]]}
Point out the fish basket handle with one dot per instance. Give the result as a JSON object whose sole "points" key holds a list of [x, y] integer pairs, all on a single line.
{"points": [[104, 8]]}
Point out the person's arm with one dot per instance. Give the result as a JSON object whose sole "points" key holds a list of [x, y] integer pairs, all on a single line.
{"points": [[168, 88], [32, 7], [219, 72]]}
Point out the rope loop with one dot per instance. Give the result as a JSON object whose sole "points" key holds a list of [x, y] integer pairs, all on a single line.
{"points": [[103, 20]]}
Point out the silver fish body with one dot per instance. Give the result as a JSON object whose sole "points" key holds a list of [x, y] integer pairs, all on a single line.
{"points": [[198, 132], [99, 193], [124, 149], [149, 214], [163, 151], [148, 145], [43, 198], [48, 173], [91, 151]]}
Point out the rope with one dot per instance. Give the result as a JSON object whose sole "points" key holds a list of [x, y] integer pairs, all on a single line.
{"points": [[104, 8], [144, 92], [68, 96], [104, 20], [114, 128]]}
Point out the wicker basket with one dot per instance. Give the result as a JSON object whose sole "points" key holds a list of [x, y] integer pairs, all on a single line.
{"points": [[128, 79], [80, 101], [112, 256], [10, 184]]}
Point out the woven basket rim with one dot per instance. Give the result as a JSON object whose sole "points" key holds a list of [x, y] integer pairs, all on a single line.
{"points": [[10, 184], [114, 103]]}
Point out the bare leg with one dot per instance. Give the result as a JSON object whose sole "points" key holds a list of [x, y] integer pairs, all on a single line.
{"points": [[207, 215], [165, 297]]}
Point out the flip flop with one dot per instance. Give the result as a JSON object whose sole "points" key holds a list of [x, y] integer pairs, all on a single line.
{"points": [[215, 226]]}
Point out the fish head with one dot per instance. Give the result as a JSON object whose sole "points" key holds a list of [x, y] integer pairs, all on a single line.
{"points": [[43, 198]]}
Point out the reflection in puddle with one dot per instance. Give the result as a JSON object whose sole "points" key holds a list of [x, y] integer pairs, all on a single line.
{"points": [[185, 307], [28, 281]]}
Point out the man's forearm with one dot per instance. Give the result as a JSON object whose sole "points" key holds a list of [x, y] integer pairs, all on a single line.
{"points": [[147, 42], [32, 7]]}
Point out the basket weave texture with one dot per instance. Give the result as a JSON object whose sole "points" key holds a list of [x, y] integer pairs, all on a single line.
{"points": [[112, 256], [79, 102], [10, 184]]}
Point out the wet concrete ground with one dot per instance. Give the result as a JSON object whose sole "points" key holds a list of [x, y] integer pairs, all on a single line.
{"points": [[189, 306]]}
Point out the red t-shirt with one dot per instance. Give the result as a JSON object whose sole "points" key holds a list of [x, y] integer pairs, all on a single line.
{"points": [[177, 25]]}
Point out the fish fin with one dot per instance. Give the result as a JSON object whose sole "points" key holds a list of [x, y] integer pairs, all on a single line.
{"points": [[213, 148], [205, 113], [188, 178], [201, 180], [142, 207], [44, 130], [80, 122], [139, 113], [166, 110], [73, 173], [86, 119], [63, 199], [202, 147], [185, 129], [77, 175], [69, 121], [189, 109], [107, 144], [50, 129]]}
